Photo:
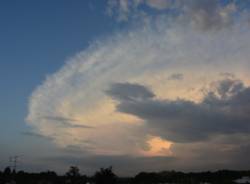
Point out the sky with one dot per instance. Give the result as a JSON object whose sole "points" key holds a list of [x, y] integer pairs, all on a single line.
{"points": [[137, 84]]}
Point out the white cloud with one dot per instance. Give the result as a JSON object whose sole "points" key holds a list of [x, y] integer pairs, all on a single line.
{"points": [[147, 56], [159, 4]]}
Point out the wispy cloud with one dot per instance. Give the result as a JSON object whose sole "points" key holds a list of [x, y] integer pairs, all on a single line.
{"points": [[66, 122], [36, 135], [203, 14]]}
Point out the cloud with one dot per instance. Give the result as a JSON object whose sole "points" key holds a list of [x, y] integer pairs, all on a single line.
{"points": [[129, 92], [227, 75], [159, 4], [209, 14], [57, 118], [176, 76], [65, 122], [36, 135], [203, 14], [124, 10], [225, 151], [123, 165], [224, 111], [219, 153], [101, 100]]}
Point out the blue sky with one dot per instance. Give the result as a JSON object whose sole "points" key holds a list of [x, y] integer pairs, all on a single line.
{"points": [[36, 39], [131, 67]]}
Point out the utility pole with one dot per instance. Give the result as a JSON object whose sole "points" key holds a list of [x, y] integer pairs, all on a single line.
{"points": [[13, 162]]}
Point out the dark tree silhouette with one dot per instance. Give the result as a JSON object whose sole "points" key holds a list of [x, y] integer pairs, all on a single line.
{"points": [[105, 176], [146, 178], [7, 175], [7, 171], [73, 172], [73, 176]]}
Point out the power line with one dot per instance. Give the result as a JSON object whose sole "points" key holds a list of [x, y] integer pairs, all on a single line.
{"points": [[14, 161]]}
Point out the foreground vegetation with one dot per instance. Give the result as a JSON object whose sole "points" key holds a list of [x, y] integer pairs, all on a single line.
{"points": [[106, 176]]}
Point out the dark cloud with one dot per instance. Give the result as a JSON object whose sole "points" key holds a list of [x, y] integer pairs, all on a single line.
{"points": [[36, 135], [66, 122], [224, 110], [129, 92], [57, 118], [72, 149], [176, 76], [67, 125], [213, 154], [229, 88]]}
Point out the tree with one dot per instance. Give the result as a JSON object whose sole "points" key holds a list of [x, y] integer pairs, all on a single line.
{"points": [[7, 174], [146, 178], [73, 175], [105, 176]]}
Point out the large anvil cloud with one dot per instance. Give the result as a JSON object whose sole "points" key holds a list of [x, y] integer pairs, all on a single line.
{"points": [[170, 85]]}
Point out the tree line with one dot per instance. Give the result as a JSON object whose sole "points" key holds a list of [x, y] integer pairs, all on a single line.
{"points": [[107, 176]]}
